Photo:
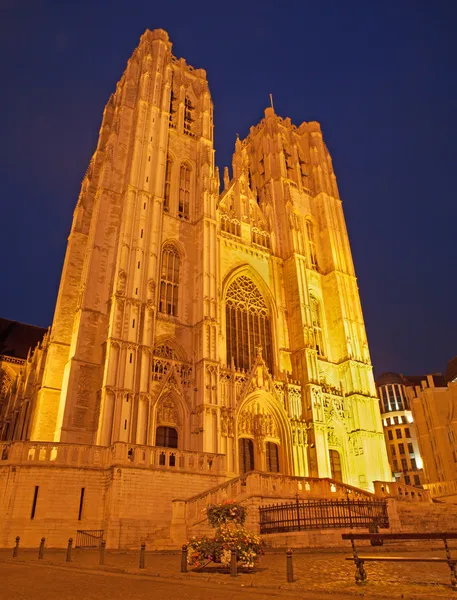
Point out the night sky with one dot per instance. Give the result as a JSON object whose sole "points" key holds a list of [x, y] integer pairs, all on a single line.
{"points": [[379, 75]]}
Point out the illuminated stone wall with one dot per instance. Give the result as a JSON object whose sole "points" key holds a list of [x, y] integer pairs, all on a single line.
{"points": [[155, 262]]}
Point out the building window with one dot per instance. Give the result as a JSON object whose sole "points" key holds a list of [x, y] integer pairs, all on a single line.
{"points": [[390, 435], [188, 120], [167, 193], [34, 503], [81, 504], [395, 465], [413, 464], [248, 325], [169, 281], [166, 437], [184, 192], [417, 480], [392, 450], [335, 465], [410, 448], [407, 480], [407, 433], [311, 245], [398, 433], [317, 326], [401, 448], [272, 455], [404, 464], [246, 451]]}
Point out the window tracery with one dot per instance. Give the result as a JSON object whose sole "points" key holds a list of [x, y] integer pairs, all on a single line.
{"points": [[248, 324], [164, 358], [169, 281], [260, 238], [231, 226]]}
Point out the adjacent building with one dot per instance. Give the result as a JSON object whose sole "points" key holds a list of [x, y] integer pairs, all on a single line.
{"points": [[16, 341], [399, 429], [419, 415], [433, 401]]}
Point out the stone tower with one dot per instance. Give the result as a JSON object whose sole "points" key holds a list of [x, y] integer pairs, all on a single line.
{"points": [[223, 323]]}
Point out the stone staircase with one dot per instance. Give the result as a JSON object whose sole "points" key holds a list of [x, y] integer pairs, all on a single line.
{"points": [[258, 489], [426, 517]]}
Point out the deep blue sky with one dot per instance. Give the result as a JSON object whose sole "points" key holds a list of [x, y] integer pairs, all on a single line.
{"points": [[379, 75]]}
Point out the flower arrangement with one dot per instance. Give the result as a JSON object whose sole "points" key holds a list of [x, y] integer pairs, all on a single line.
{"points": [[221, 514], [228, 519], [247, 545]]}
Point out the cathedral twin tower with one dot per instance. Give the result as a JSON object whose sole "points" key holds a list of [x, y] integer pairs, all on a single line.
{"points": [[187, 318]]}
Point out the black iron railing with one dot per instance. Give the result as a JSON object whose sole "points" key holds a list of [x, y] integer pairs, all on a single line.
{"points": [[302, 515], [89, 538]]}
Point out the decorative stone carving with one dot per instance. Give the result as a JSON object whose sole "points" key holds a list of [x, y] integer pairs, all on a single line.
{"points": [[167, 412]]}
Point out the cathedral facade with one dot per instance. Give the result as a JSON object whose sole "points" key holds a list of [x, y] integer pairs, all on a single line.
{"points": [[222, 323]]}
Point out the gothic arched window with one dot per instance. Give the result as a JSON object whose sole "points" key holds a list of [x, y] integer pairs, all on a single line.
{"points": [[184, 192], [167, 192], [311, 244], [272, 457], [316, 320], [248, 324], [169, 281], [246, 454]]}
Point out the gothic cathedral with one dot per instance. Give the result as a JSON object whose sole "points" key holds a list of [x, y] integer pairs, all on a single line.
{"points": [[226, 323]]}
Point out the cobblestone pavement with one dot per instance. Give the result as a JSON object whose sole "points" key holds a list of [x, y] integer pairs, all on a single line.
{"points": [[318, 572]]}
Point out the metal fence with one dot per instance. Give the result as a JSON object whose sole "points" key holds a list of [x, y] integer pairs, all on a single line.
{"points": [[89, 538], [302, 515]]}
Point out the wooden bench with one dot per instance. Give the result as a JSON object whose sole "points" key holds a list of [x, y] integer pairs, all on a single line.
{"points": [[379, 538]]}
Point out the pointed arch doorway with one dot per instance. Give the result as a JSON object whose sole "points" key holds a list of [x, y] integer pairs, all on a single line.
{"points": [[335, 465]]}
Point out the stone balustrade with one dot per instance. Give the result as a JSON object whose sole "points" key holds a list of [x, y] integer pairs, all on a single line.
{"points": [[267, 485], [400, 491], [119, 454], [442, 488]]}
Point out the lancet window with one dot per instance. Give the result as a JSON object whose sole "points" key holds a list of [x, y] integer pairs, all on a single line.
{"points": [[272, 457], [169, 281], [311, 245], [248, 324], [188, 120], [316, 320], [167, 193], [184, 192], [246, 454]]}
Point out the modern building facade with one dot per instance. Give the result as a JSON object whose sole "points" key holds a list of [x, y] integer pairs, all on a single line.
{"points": [[221, 323], [400, 429]]}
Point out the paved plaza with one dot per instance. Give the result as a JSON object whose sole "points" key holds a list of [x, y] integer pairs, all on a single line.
{"points": [[319, 573]]}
